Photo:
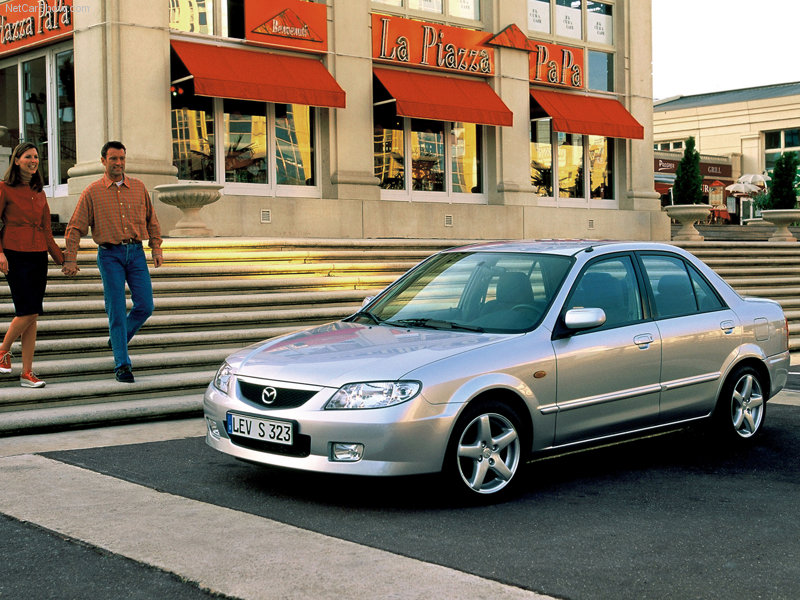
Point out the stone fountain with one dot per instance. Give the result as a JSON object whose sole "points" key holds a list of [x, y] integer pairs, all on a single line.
{"points": [[190, 197]]}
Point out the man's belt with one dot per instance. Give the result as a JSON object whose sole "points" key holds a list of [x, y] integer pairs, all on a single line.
{"points": [[127, 242]]}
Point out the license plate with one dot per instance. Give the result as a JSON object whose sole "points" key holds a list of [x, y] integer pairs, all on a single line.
{"points": [[266, 430]]}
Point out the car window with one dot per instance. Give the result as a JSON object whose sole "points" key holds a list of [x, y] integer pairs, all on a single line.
{"points": [[674, 290], [707, 298], [492, 291], [609, 284]]}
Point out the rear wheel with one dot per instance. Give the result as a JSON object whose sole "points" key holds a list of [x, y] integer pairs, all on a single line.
{"points": [[485, 453], [741, 406]]}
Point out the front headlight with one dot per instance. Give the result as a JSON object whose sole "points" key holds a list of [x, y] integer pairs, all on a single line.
{"points": [[373, 394], [223, 378]]}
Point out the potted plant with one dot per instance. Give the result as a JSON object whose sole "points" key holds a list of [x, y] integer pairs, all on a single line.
{"points": [[779, 205], [687, 195]]}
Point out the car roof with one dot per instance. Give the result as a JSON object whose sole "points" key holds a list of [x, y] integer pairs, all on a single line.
{"points": [[562, 247]]}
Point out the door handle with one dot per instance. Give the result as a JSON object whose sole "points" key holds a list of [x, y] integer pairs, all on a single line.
{"points": [[727, 327], [643, 341]]}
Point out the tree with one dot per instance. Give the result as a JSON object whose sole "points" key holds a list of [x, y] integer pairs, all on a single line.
{"points": [[783, 191], [688, 186]]}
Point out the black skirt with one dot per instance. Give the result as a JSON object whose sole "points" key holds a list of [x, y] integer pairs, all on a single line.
{"points": [[27, 278]]}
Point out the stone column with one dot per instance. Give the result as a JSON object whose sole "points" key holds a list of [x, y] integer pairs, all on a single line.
{"points": [[636, 62], [512, 156], [122, 79], [350, 131]]}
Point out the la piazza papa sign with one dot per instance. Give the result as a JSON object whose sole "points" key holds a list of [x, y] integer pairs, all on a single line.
{"points": [[25, 23], [413, 43]]}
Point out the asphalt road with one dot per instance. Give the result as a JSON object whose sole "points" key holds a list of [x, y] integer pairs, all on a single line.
{"points": [[665, 517]]}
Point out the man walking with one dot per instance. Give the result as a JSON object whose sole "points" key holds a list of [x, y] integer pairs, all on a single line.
{"points": [[121, 215]]}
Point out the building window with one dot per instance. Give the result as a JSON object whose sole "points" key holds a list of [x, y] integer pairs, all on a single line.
{"points": [[669, 146], [575, 155], [601, 71], [569, 21], [778, 142], [539, 15], [415, 156], [267, 144], [192, 16], [454, 9], [601, 159], [599, 23], [43, 88], [208, 17]]}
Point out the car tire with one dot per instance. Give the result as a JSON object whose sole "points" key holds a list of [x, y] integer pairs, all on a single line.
{"points": [[741, 407], [485, 454]]}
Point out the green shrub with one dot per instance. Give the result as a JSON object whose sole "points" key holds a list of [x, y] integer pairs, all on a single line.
{"points": [[688, 186], [783, 189]]}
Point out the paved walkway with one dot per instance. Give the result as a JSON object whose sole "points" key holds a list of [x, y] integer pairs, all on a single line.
{"points": [[255, 558]]}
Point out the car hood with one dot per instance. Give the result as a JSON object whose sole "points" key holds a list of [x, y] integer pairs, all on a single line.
{"points": [[338, 353]]}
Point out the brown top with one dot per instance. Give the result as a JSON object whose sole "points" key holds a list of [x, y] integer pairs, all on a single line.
{"points": [[116, 213], [26, 221]]}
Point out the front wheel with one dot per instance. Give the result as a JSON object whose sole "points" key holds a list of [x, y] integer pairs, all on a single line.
{"points": [[485, 453], [741, 406]]}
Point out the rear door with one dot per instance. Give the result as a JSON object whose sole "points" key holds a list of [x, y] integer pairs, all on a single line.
{"points": [[698, 332]]}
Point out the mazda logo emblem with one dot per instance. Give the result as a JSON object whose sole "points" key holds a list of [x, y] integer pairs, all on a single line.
{"points": [[269, 395]]}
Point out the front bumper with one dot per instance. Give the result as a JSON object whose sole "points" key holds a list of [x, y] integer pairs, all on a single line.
{"points": [[406, 439]]}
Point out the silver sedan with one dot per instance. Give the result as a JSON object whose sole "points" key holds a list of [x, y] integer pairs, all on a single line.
{"points": [[484, 356]]}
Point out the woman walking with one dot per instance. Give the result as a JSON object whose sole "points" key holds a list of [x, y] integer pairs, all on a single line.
{"points": [[25, 240]]}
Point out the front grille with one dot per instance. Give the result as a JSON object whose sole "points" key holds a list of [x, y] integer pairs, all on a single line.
{"points": [[301, 447], [284, 397]]}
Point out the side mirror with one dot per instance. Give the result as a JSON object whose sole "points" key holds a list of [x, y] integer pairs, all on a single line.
{"points": [[584, 318]]}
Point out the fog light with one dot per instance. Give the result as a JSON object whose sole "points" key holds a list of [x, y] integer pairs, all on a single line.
{"points": [[346, 452], [213, 430]]}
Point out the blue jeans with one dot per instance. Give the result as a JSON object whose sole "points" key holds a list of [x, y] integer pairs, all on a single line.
{"points": [[120, 265]]}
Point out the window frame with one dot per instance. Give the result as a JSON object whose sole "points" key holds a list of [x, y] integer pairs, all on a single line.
{"points": [[645, 314], [691, 271], [447, 195], [271, 188], [586, 199], [419, 14], [50, 54], [777, 151]]}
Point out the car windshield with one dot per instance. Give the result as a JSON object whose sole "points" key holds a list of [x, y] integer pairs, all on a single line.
{"points": [[472, 291]]}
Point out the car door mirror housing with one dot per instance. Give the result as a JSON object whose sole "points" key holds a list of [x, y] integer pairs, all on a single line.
{"points": [[577, 319]]}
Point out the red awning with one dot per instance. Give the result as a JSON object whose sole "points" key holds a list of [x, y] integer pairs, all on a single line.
{"points": [[441, 98], [573, 113], [663, 188], [224, 72]]}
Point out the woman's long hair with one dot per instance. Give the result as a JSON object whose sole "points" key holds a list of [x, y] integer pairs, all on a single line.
{"points": [[13, 176]]}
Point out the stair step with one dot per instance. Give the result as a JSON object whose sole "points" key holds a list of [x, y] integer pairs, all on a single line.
{"points": [[216, 295]]}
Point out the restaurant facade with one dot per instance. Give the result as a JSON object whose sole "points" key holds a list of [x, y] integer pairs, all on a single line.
{"points": [[455, 119]]}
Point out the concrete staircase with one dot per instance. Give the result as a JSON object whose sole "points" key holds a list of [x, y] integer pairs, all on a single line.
{"points": [[216, 295], [212, 297], [768, 270]]}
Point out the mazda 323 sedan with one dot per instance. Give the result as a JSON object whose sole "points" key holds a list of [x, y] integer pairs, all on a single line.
{"points": [[483, 356]]}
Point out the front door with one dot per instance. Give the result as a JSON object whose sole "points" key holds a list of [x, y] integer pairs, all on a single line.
{"points": [[608, 377]]}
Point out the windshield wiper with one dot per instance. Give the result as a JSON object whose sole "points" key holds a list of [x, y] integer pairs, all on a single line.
{"points": [[434, 324]]}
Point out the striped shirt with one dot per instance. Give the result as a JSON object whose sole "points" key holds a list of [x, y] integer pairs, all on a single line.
{"points": [[116, 213]]}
